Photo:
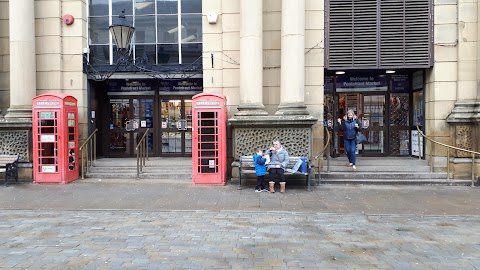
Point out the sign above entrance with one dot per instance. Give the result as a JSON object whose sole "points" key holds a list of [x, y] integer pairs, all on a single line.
{"points": [[151, 85], [361, 83]]}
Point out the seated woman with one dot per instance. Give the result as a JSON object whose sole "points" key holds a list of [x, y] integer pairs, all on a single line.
{"points": [[279, 159]]}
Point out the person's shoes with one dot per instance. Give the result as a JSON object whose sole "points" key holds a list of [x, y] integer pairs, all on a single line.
{"points": [[258, 190], [350, 164], [354, 168], [264, 190]]}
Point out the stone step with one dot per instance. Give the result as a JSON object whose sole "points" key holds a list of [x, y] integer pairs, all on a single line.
{"points": [[397, 182], [377, 162], [382, 175], [372, 168], [131, 169], [144, 175]]}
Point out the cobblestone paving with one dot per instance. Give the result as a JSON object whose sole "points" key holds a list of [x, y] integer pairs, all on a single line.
{"points": [[94, 239]]}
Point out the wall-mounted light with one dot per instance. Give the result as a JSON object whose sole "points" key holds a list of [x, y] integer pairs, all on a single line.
{"points": [[340, 72], [390, 71]]}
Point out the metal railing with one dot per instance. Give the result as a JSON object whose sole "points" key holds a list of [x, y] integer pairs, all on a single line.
{"points": [[326, 149], [90, 153], [420, 133], [142, 152]]}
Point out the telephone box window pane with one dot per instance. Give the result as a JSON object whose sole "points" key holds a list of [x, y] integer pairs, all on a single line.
{"points": [[48, 150], [48, 160], [71, 123], [47, 115], [207, 115], [71, 115], [71, 130], [46, 130], [71, 137]]}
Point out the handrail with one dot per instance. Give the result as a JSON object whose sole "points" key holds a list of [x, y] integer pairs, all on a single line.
{"points": [[142, 153], [89, 144], [327, 146], [448, 153]]}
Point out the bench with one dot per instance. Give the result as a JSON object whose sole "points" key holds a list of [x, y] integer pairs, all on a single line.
{"points": [[9, 165], [246, 165]]}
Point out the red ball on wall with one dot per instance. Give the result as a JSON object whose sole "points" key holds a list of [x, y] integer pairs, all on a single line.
{"points": [[68, 19]]}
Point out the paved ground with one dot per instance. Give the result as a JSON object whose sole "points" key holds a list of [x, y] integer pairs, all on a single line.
{"points": [[179, 226]]}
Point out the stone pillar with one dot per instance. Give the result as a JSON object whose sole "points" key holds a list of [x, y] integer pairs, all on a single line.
{"points": [[22, 58], [292, 92], [251, 59]]}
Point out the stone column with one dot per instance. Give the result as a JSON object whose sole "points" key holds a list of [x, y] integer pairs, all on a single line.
{"points": [[292, 92], [251, 59], [22, 58]]}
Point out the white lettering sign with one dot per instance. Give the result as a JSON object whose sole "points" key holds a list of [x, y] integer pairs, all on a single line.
{"points": [[415, 150], [48, 169], [47, 138]]}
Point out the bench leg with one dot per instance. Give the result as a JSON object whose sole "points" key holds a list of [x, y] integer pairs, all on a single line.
{"points": [[239, 178], [308, 180]]}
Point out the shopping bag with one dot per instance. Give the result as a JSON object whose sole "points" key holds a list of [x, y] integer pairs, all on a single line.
{"points": [[360, 138]]}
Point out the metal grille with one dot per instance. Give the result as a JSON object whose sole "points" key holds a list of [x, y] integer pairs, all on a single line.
{"points": [[371, 34], [399, 143], [399, 110]]}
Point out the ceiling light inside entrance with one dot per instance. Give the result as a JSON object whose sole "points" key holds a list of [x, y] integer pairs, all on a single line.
{"points": [[340, 72], [390, 71]]}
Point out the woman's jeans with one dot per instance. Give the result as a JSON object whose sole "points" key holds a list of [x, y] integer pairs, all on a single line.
{"points": [[351, 148]]}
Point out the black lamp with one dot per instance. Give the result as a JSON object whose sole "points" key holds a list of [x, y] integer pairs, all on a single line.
{"points": [[122, 33]]}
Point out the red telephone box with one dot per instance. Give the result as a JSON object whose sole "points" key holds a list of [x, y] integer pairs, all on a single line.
{"points": [[209, 145], [55, 138]]}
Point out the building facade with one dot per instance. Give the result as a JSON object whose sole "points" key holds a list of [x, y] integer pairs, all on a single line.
{"points": [[288, 68]]}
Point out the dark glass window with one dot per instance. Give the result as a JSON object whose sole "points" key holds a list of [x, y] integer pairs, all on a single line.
{"points": [[147, 53], [143, 7], [167, 53], [116, 56], [192, 31], [98, 8], [99, 54], [159, 32], [167, 28], [192, 53], [119, 5], [98, 30], [167, 6], [145, 29], [191, 6]]}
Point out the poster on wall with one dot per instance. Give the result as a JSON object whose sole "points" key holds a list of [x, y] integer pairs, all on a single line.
{"points": [[361, 83], [414, 139]]}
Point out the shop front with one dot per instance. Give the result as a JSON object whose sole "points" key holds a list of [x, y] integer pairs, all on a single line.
{"points": [[389, 106], [129, 108]]}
